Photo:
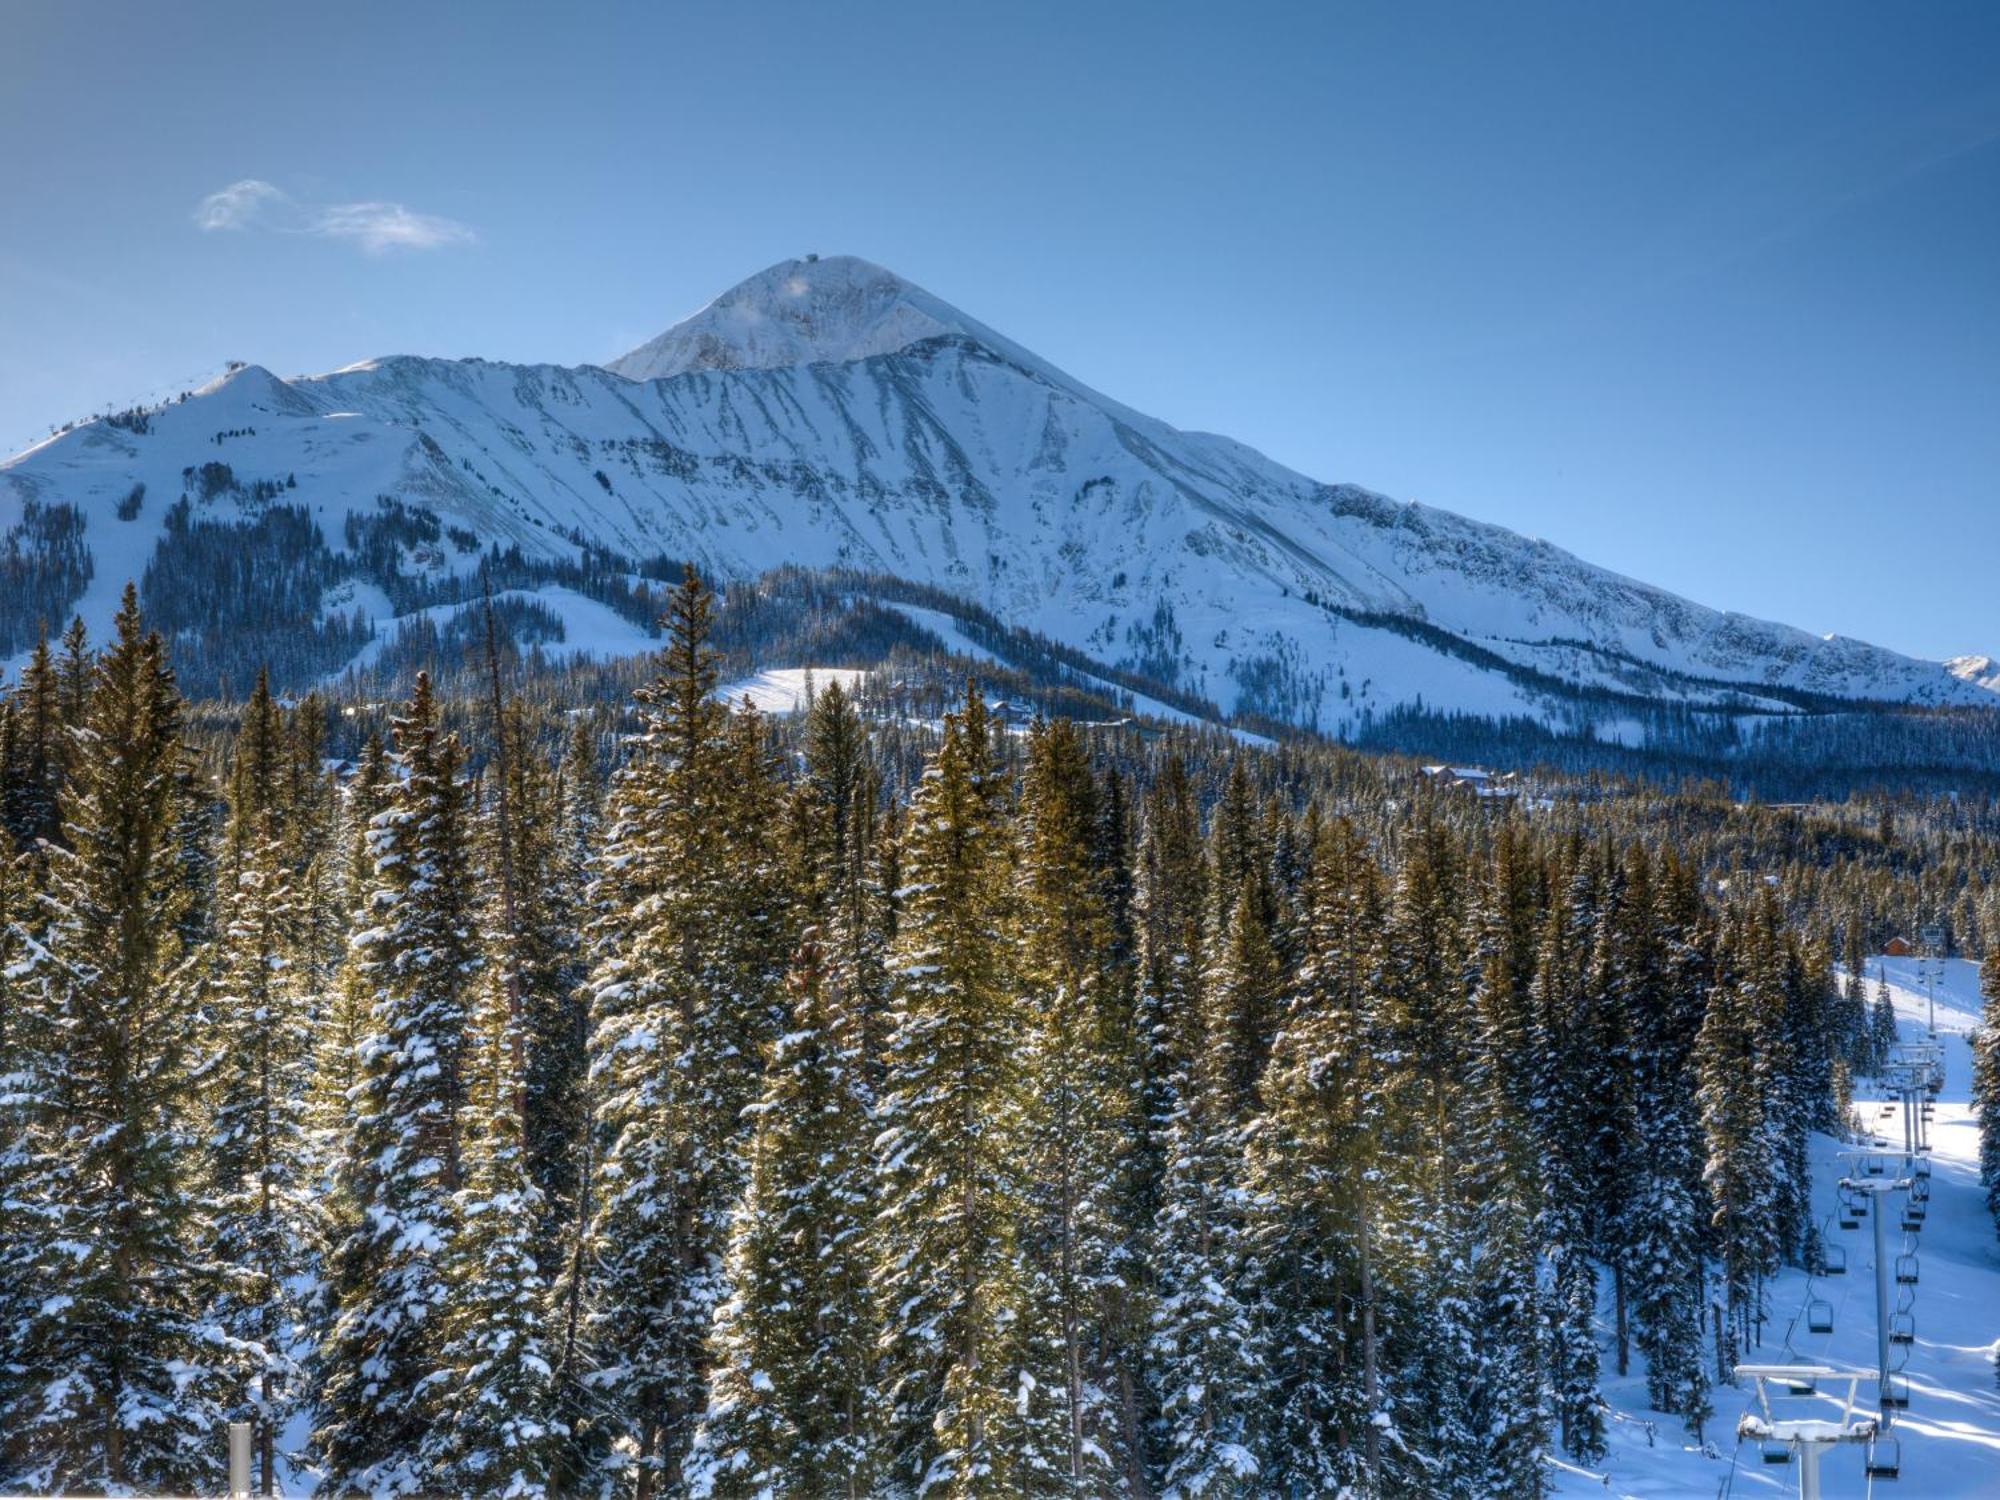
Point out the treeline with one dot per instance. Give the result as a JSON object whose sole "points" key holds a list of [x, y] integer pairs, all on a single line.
{"points": [[865, 1110], [1780, 756], [44, 567]]}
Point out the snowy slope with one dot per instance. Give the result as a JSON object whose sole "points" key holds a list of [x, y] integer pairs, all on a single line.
{"points": [[1981, 671], [1950, 1434], [785, 690], [828, 413]]}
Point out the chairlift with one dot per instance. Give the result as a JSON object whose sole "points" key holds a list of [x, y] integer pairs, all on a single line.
{"points": [[1902, 1328], [1885, 1457], [1800, 1384], [1896, 1391], [1874, 1166], [1833, 1260], [1920, 1190], [1775, 1452], [1922, 1170], [1906, 1269], [1819, 1315]]}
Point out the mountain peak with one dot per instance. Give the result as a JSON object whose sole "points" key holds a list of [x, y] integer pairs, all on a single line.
{"points": [[1980, 671], [808, 311]]}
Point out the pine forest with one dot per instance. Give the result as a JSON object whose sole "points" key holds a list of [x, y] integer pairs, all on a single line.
{"points": [[515, 1090]]}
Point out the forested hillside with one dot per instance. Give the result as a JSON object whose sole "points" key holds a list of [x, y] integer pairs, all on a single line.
{"points": [[511, 1093]]}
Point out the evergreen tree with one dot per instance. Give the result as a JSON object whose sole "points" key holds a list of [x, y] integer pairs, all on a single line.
{"points": [[492, 1427], [36, 756], [1425, 1040], [1308, 1162], [950, 1178], [117, 1381], [1986, 1081], [1737, 1071], [552, 821], [684, 1004], [841, 884], [22, 1040], [74, 672], [401, 1159], [1170, 901], [792, 1402], [1660, 1234], [1080, 1099], [265, 1216], [1206, 1362], [1511, 1159], [343, 1019], [1564, 1040], [1882, 1021]]}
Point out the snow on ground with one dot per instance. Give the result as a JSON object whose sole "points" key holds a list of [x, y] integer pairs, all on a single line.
{"points": [[590, 629], [1950, 1434], [955, 640], [782, 690]]}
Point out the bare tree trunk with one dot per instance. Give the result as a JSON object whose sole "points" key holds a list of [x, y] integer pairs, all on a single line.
{"points": [[1370, 1385], [510, 970], [1624, 1322]]}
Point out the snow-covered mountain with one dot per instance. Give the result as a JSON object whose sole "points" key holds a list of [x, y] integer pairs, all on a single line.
{"points": [[828, 413], [1980, 671]]}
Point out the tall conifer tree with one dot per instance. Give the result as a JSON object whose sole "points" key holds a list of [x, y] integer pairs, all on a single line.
{"points": [[120, 1367], [401, 1161], [951, 1182], [792, 1408], [266, 1224]]}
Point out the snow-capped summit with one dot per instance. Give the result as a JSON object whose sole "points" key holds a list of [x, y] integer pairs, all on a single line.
{"points": [[826, 309], [1980, 671], [817, 310]]}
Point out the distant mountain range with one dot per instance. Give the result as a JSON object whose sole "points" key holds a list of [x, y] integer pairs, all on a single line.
{"points": [[828, 414]]}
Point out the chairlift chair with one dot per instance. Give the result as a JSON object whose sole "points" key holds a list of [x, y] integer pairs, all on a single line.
{"points": [[1775, 1452], [1819, 1315], [1874, 1166], [1906, 1270], [1896, 1391], [1922, 1170], [1833, 1260], [1902, 1328], [1885, 1457]]}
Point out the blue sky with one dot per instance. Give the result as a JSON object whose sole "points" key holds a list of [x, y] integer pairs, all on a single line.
{"points": [[1708, 294]]}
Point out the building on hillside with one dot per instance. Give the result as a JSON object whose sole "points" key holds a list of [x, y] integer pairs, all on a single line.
{"points": [[1476, 780]]}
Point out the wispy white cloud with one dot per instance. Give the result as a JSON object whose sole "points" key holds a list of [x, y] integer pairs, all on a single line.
{"points": [[377, 228]]}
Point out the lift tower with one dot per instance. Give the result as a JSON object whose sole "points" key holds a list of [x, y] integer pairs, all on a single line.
{"points": [[1931, 966], [1809, 1437], [1872, 1179]]}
